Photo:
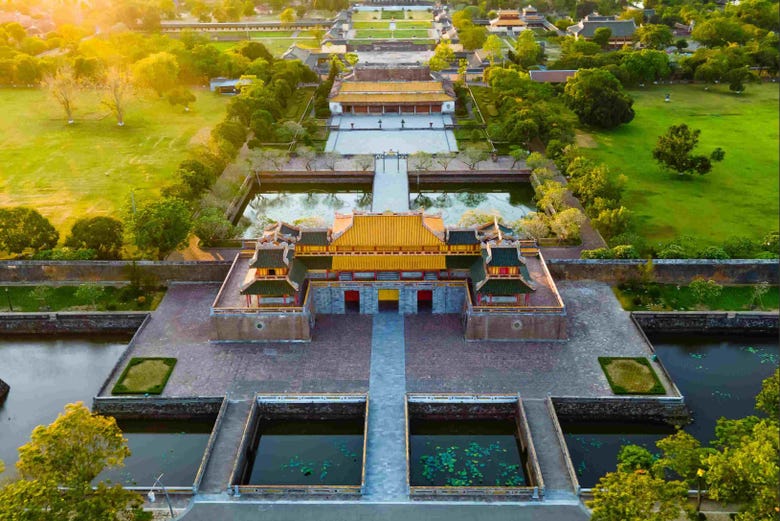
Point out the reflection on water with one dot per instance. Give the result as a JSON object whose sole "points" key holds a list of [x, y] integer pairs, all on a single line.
{"points": [[465, 454], [309, 453], [292, 202], [719, 376], [44, 375], [173, 448]]}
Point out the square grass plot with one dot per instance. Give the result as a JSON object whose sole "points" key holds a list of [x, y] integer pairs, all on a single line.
{"points": [[631, 375], [145, 376]]}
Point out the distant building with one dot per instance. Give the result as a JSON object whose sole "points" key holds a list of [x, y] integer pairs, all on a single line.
{"points": [[513, 21], [622, 30], [551, 76], [231, 85], [394, 90], [317, 59]]}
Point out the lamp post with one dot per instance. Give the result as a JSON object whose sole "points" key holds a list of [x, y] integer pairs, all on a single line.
{"points": [[8, 296], [699, 475], [152, 497]]}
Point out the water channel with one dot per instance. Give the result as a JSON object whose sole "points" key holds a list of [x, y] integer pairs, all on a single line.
{"points": [[44, 375], [465, 453], [719, 376], [292, 202]]}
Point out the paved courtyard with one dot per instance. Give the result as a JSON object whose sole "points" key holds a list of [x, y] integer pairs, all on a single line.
{"points": [[363, 135], [337, 359]]}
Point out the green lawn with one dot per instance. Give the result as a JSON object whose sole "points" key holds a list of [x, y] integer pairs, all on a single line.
{"points": [[388, 14], [631, 375], [64, 298], [671, 297], [91, 167], [400, 24], [738, 198]]}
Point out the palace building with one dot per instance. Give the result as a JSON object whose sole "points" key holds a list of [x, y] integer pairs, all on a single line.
{"points": [[405, 262], [391, 90]]}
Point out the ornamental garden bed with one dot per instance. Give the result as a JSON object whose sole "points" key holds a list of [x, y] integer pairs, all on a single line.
{"points": [[145, 376], [631, 375]]}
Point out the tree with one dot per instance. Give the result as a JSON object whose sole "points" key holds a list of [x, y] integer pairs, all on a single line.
{"points": [[566, 224], [472, 156], [654, 36], [527, 51], [705, 290], [534, 225], [472, 37], [443, 55], [598, 99], [287, 16], [444, 159], [478, 217], [612, 221], [57, 468], [211, 225], [161, 226], [267, 159], [307, 154], [63, 86], [517, 153], [601, 36], [117, 88], [89, 293], [181, 96], [768, 399], [330, 159], [102, 234], [158, 72], [422, 160], [638, 496], [673, 151], [633, 457], [682, 454], [551, 195], [364, 162], [494, 47], [24, 228]]}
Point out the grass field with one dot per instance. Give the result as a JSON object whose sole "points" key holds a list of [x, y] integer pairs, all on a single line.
{"points": [[386, 34], [391, 15], [631, 375], [738, 198], [386, 25], [671, 297], [91, 167]]}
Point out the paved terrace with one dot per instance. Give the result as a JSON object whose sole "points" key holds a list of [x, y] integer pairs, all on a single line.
{"points": [[363, 135], [180, 328], [439, 360]]}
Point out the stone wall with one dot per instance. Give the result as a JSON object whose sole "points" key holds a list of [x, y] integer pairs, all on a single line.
{"points": [[149, 272], [709, 322], [460, 410], [515, 326], [257, 326], [667, 271], [206, 407], [669, 410], [77, 323], [446, 298], [355, 407]]}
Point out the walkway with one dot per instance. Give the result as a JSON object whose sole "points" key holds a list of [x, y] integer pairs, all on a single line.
{"points": [[391, 185], [216, 479], [386, 447], [557, 484]]}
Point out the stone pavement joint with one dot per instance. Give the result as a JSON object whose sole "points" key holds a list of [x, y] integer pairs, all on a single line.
{"points": [[386, 445]]}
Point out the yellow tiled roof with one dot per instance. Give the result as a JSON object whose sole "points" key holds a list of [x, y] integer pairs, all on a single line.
{"points": [[400, 230], [391, 86], [401, 97], [388, 262], [507, 22]]}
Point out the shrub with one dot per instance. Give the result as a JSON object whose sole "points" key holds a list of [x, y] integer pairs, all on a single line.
{"points": [[613, 221], [713, 252], [66, 254], [672, 251], [740, 247], [598, 253], [705, 290], [625, 251]]}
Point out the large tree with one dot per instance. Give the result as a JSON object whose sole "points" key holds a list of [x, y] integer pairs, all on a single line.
{"points": [[161, 226], [598, 99], [674, 151], [23, 228], [158, 72], [57, 468], [118, 89], [443, 55], [63, 86], [527, 51], [102, 234], [638, 496], [654, 36]]}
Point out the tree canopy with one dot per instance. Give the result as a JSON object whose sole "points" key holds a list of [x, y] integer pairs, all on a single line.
{"points": [[161, 226], [598, 99], [23, 228], [102, 234], [674, 151]]}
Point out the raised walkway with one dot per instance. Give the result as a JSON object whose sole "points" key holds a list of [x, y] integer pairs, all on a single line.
{"points": [[386, 446], [216, 479], [557, 483], [391, 185]]}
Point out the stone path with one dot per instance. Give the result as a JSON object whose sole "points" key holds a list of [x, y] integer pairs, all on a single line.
{"points": [[391, 185], [386, 447], [216, 479], [557, 484]]}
